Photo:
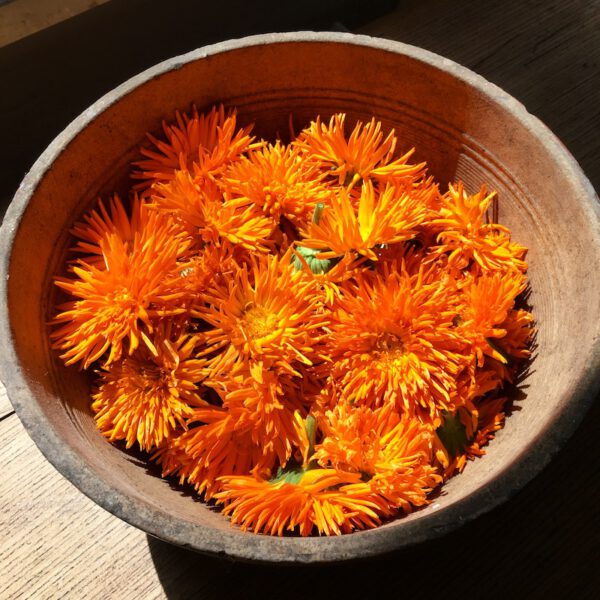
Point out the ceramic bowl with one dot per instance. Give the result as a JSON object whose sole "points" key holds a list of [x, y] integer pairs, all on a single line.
{"points": [[464, 127]]}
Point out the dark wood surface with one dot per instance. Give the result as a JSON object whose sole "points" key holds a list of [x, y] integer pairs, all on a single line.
{"points": [[545, 542]]}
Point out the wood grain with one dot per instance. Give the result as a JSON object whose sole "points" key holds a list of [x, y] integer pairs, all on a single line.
{"points": [[54, 541]]}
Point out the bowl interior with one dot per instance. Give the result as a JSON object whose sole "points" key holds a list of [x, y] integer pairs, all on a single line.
{"points": [[463, 131]]}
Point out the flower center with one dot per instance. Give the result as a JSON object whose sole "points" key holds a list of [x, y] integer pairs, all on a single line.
{"points": [[389, 344], [123, 301], [390, 351], [259, 322]]}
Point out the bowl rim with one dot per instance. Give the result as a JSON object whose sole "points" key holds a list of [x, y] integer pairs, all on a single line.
{"points": [[263, 548]]}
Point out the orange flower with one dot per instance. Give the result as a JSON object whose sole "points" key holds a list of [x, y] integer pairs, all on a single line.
{"points": [[364, 156], [100, 223], [309, 334], [519, 334], [391, 454], [466, 235], [301, 501], [209, 267], [147, 397], [393, 339], [265, 314], [488, 302], [214, 446], [264, 403], [116, 301], [204, 213], [276, 180], [480, 423], [203, 144], [384, 217]]}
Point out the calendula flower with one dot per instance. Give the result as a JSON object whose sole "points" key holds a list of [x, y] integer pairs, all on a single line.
{"points": [[215, 445], [467, 236], [266, 313], [366, 155], [488, 300], [519, 333], [394, 339], [208, 267], [115, 302], [391, 454], [299, 501], [276, 180], [146, 397], [472, 429], [263, 402], [201, 144], [205, 214], [101, 222], [377, 217]]}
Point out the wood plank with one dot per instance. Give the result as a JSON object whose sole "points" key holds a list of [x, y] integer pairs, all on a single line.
{"points": [[24, 17], [55, 542]]}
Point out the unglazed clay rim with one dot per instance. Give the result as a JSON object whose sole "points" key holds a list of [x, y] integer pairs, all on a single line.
{"points": [[261, 547]]}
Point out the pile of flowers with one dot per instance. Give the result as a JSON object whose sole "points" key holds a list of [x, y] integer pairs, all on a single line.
{"points": [[311, 334]]}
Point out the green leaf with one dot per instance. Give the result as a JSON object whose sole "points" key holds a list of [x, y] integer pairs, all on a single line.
{"points": [[453, 434], [291, 474], [316, 265]]}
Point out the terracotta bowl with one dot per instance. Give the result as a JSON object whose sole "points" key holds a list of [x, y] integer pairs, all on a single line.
{"points": [[464, 127]]}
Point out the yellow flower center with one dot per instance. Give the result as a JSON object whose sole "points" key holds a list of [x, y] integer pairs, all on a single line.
{"points": [[390, 351], [389, 344], [123, 301], [259, 322]]}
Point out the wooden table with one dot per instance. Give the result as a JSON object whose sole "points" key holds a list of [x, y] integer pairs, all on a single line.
{"points": [[544, 543]]}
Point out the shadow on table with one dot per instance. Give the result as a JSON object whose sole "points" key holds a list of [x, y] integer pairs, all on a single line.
{"points": [[541, 544]]}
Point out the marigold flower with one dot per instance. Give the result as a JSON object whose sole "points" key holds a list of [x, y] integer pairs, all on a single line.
{"points": [[265, 403], [488, 300], [215, 445], [327, 285], [378, 217], [147, 397], [201, 144], [364, 156], [311, 500], [480, 424], [101, 222], [204, 212], [117, 300], [392, 455], [519, 329], [276, 180], [466, 235], [309, 334], [394, 339], [265, 313]]}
